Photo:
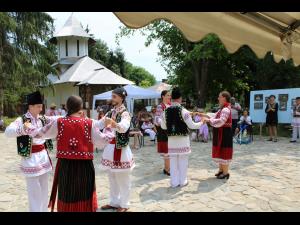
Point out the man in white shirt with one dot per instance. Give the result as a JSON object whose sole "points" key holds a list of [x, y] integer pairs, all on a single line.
{"points": [[176, 120], [35, 161]]}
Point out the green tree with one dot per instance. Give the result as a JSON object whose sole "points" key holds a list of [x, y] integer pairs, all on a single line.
{"points": [[25, 59], [139, 75], [205, 68]]}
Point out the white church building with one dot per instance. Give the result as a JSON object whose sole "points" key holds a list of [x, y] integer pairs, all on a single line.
{"points": [[78, 74]]}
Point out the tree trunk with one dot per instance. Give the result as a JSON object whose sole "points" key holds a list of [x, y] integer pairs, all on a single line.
{"points": [[203, 83], [197, 74]]}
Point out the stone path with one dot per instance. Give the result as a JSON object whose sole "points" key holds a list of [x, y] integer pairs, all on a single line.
{"points": [[264, 177]]}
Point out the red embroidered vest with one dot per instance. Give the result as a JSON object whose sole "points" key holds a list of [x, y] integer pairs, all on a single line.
{"points": [[74, 139], [228, 123]]}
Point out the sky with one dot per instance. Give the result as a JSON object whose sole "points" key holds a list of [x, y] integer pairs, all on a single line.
{"points": [[105, 25]]}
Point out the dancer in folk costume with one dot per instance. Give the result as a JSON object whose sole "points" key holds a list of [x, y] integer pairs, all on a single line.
{"points": [[162, 137], [117, 158], [176, 120], [35, 162], [222, 135], [74, 178], [296, 120]]}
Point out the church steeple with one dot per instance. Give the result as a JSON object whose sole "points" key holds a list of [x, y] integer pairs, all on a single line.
{"points": [[72, 40]]}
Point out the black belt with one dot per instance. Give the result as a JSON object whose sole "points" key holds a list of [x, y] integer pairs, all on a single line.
{"points": [[297, 116]]}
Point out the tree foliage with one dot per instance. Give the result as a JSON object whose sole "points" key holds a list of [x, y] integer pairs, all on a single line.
{"points": [[25, 58], [205, 68], [116, 62]]}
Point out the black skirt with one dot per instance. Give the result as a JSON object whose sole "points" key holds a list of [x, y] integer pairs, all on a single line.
{"points": [[76, 186]]}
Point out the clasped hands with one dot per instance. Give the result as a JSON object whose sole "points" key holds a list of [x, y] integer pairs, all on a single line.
{"points": [[110, 123], [204, 117]]}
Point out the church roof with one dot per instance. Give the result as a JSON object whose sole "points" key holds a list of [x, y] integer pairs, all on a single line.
{"points": [[88, 71], [72, 27], [105, 76]]}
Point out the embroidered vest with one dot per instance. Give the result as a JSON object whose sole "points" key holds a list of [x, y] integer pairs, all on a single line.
{"points": [[175, 123], [74, 140], [122, 139], [24, 142]]}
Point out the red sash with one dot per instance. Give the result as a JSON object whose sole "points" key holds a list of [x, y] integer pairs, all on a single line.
{"points": [[117, 152], [37, 148]]}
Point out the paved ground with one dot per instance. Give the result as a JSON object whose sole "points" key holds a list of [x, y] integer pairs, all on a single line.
{"points": [[264, 177]]}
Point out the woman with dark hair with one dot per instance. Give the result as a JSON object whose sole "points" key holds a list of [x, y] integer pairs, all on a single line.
{"points": [[222, 135], [272, 118], [74, 177], [162, 137]]}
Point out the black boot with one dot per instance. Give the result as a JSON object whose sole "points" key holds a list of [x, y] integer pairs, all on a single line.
{"points": [[223, 176]]}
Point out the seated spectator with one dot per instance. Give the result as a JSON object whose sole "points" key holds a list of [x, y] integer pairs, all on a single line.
{"points": [[149, 128], [244, 123], [203, 130]]}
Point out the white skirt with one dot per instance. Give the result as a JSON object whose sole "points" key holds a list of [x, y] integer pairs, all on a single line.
{"points": [[38, 164], [126, 162]]}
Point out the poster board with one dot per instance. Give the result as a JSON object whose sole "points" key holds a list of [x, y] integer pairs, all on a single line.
{"points": [[284, 97]]}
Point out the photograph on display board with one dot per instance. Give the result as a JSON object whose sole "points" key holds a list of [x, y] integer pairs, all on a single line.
{"points": [[283, 97], [282, 106], [258, 97], [258, 105]]}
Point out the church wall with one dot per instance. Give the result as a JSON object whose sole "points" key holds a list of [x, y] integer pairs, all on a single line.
{"points": [[61, 94]]}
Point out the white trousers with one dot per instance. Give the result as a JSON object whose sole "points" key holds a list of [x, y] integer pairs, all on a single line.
{"points": [[296, 132], [120, 186], [37, 188], [151, 133], [178, 169]]}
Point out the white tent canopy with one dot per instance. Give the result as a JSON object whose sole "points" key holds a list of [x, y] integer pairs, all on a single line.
{"points": [[278, 32], [133, 93]]}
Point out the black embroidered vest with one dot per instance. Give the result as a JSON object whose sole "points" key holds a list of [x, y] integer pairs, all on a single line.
{"points": [[24, 142], [122, 139], [174, 121]]}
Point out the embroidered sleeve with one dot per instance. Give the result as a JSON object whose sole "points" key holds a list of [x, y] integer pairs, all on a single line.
{"points": [[189, 121], [15, 129], [99, 139], [219, 122], [100, 124], [124, 124], [47, 132], [49, 119]]}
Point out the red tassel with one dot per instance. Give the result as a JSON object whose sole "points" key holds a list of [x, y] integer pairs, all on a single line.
{"points": [[54, 187]]}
